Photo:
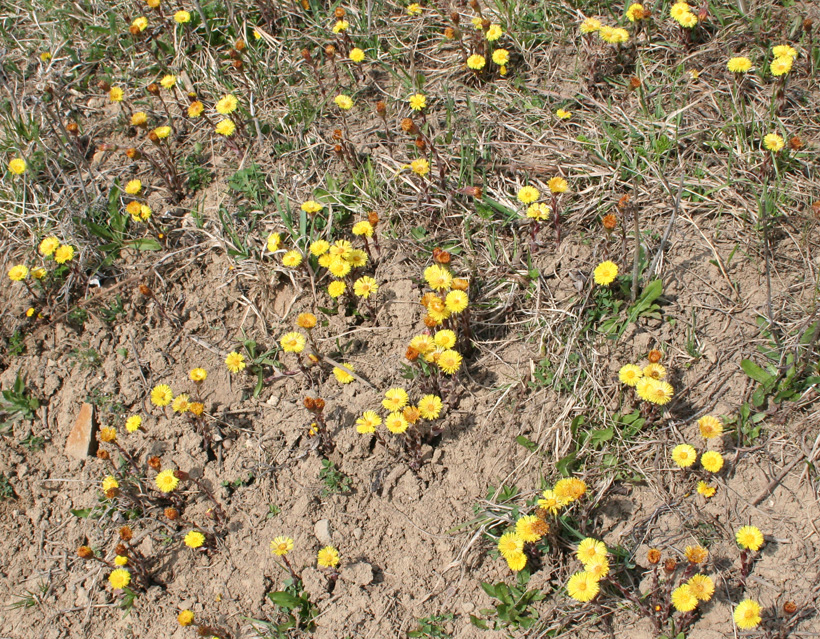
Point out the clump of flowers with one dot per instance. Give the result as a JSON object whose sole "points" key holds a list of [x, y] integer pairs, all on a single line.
{"points": [[648, 382]]}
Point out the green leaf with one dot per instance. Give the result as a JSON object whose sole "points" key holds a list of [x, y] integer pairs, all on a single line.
{"points": [[601, 435], [527, 443], [755, 372], [284, 600], [82, 513], [144, 244], [566, 464], [479, 623]]}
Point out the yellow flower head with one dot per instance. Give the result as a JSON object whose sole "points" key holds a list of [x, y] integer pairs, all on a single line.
{"points": [[569, 490], [139, 118], [590, 25], [712, 461], [424, 344], [747, 614], [336, 289], [702, 587], [430, 407], [292, 259], [549, 501], [45, 56], [562, 114], [706, 490], [133, 423], [225, 127], [227, 104], [605, 273], [501, 57], [363, 228], [395, 399], [696, 554], [494, 33], [357, 258], [108, 434], [140, 23], [773, 142], [182, 17], [293, 342], [590, 550], [306, 320], [341, 375], [517, 561], [478, 23], [613, 35], [739, 64], [180, 403], [185, 618], [281, 546], [194, 539], [119, 578], [598, 568], [449, 361], [109, 483], [710, 427], [396, 423], [417, 101], [655, 391], [327, 557], [530, 528], [341, 25], [120, 560], [683, 599], [338, 267], [356, 55], [367, 422], [414, 9], [784, 51], [161, 395], [311, 207], [168, 81], [195, 109], [438, 278], [528, 194], [162, 132], [319, 247], [273, 242], [166, 480], [749, 537], [445, 339], [456, 301], [630, 374], [38, 273], [684, 455], [583, 586], [64, 253], [420, 167], [343, 102], [655, 371], [115, 94], [133, 187], [510, 544], [476, 62], [781, 66], [365, 287], [235, 362], [557, 185], [635, 12], [18, 273], [49, 245]]}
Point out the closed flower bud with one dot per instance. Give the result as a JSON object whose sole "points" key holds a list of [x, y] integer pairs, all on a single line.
{"points": [[653, 556], [442, 257], [337, 134], [134, 30], [654, 356], [485, 24], [624, 201], [330, 51], [339, 13], [420, 143], [795, 144], [411, 354], [152, 135], [153, 88], [449, 33], [121, 550], [309, 403], [240, 45], [634, 82], [103, 454], [337, 149], [429, 322], [408, 126], [126, 534], [474, 5], [233, 54], [816, 208], [111, 493], [306, 55], [373, 218], [459, 284], [670, 565], [789, 607], [172, 513], [381, 108], [73, 128], [102, 85], [808, 23], [84, 552], [181, 475], [154, 463], [455, 17], [133, 154], [320, 404], [609, 221], [237, 64]]}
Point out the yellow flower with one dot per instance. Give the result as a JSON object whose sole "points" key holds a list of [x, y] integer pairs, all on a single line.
{"points": [[683, 600], [145, 212], [274, 241], [64, 253], [781, 66], [630, 374], [438, 278], [306, 320], [342, 375], [180, 403], [476, 62], [395, 399], [655, 391], [161, 395], [162, 132], [356, 55], [562, 114], [417, 101], [133, 423], [749, 537], [414, 9], [49, 245], [569, 490], [747, 614], [341, 25], [784, 51], [109, 483], [195, 109], [115, 94], [597, 568], [182, 17], [528, 194], [478, 23], [119, 578], [185, 618], [510, 544], [45, 56], [530, 528], [168, 81], [225, 127], [590, 550], [557, 185], [655, 371], [365, 287], [605, 273], [706, 490], [445, 339], [311, 207], [539, 211], [166, 480], [517, 561], [108, 434], [120, 560], [456, 301], [227, 104], [396, 423], [235, 362], [194, 539], [140, 23], [449, 361], [696, 554], [18, 273], [773, 142], [739, 65], [335, 289], [292, 259], [327, 557], [430, 407], [684, 455], [590, 25], [710, 427], [341, 248], [712, 461], [582, 586], [133, 187], [281, 546], [702, 587], [420, 167], [634, 12], [293, 342], [139, 118], [339, 267], [494, 33], [423, 344], [319, 247], [367, 422], [613, 35], [501, 57], [549, 501], [343, 102]]}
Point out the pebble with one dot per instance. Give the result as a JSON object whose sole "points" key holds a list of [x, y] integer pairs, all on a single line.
{"points": [[321, 529]]}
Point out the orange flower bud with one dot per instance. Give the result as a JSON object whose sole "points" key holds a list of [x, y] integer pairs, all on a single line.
{"points": [[609, 221], [373, 218], [126, 534], [133, 154], [320, 404], [654, 356], [408, 126], [153, 88], [237, 64], [181, 475], [411, 354], [339, 12], [381, 108], [171, 513], [240, 45], [309, 403], [84, 552], [653, 556], [420, 143]]}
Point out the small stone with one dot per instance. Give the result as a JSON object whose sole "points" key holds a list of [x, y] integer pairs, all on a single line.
{"points": [[468, 606], [273, 400], [360, 574], [321, 530], [79, 442], [358, 533]]}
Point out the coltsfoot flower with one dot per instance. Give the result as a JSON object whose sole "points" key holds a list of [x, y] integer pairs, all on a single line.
{"points": [[161, 395], [683, 599], [449, 361], [583, 587], [706, 490], [510, 544], [396, 423], [292, 259], [430, 407], [417, 101], [356, 55], [710, 427], [702, 587], [456, 301], [327, 557], [739, 64], [281, 546], [605, 273], [630, 374], [531, 528], [365, 286], [747, 614], [311, 207], [185, 618], [336, 289], [395, 399], [194, 539], [591, 549], [49, 245], [344, 102], [341, 375], [64, 253], [166, 480], [773, 142], [712, 461], [225, 127], [18, 273], [367, 422], [476, 62], [227, 104], [528, 194], [235, 362], [749, 537], [119, 578], [17, 166], [293, 342], [684, 455], [133, 423], [198, 374]]}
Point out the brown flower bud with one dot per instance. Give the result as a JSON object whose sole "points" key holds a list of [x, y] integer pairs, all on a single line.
{"points": [[420, 143], [111, 493], [455, 17], [408, 126], [73, 128], [373, 218], [459, 284], [330, 51], [623, 201], [145, 290], [337, 134], [808, 23], [381, 108], [789, 607], [440, 256], [634, 82], [84, 552], [795, 144], [653, 556], [485, 24], [815, 207], [172, 513], [337, 149], [474, 5], [153, 88], [102, 85], [309, 403], [233, 54], [411, 414], [320, 404], [181, 475], [153, 137], [240, 45], [154, 463], [237, 64], [411, 354], [103, 454], [609, 221], [134, 30], [121, 549], [306, 55], [449, 33], [654, 356], [339, 12], [670, 565], [126, 534], [429, 322], [133, 154]]}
